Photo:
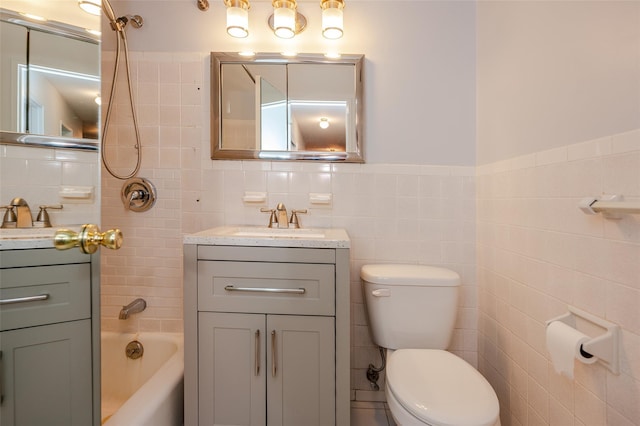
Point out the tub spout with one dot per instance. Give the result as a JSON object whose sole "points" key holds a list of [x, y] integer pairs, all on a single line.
{"points": [[134, 307]]}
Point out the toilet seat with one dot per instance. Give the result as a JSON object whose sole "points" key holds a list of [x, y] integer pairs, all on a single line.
{"points": [[440, 389]]}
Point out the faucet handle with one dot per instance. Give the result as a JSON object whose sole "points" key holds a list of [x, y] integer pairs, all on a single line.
{"points": [[294, 217], [43, 216], [272, 216], [10, 219]]}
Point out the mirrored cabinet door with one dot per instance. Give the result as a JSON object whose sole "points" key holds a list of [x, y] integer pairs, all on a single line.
{"points": [[64, 80], [271, 108], [13, 61], [49, 83]]}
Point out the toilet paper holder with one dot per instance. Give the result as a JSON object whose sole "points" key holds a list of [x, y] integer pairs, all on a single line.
{"points": [[604, 345]]}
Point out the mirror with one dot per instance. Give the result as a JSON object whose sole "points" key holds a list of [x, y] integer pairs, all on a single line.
{"points": [[50, 73], [274, 108]]}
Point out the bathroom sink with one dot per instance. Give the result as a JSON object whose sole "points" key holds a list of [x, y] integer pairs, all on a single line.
{"points": [[255, 235], [277, 232]]}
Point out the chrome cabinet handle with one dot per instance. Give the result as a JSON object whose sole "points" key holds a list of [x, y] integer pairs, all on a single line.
{"points": [[266, 290], [24, 299], [274, 364], [257, 352]]}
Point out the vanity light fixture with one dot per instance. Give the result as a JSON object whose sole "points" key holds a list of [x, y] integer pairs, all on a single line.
{"points": [[324, 123], [332, 20], [286, 22], [93, 7], [237, 18]]}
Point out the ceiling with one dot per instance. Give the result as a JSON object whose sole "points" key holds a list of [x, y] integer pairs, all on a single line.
{"points": [[66, 11]]}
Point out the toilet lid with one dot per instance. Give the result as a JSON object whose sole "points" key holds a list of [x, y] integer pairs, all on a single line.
{"points": [[441, 388]]}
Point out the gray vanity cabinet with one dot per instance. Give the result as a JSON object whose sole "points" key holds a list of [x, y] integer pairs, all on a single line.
{"points": [[269, 336], [281, 365], [46, 345]]}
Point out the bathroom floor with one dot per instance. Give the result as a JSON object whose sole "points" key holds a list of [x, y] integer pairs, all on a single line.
{"points": [[370, 414]]}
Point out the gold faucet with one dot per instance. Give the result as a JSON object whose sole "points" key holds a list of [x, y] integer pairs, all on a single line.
{"points": [[281, 215], [23, 213]]}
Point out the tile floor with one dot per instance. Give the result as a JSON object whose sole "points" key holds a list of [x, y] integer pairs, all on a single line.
{"points": [[370, 414]]}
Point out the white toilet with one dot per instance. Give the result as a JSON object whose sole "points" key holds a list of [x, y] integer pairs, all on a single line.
{"points": [[412, 312]]}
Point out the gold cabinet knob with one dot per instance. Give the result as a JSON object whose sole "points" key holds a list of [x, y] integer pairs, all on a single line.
{"points": [[88, 239]]}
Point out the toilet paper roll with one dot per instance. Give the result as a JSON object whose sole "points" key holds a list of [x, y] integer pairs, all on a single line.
{"points": [[563, 344]]}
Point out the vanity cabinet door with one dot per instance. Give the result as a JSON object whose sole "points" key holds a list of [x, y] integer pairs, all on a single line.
{"points": [[45, 374], [231, 361], [301, 370]]}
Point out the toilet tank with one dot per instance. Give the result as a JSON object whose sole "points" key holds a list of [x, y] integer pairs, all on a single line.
{"points": [[410, 306]]}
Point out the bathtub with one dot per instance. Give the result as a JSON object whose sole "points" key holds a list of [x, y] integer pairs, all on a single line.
{"points": [[144, 391]]}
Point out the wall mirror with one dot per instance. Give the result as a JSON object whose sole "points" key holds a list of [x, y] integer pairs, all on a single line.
{"points": [[49, 80], [274, 108]]}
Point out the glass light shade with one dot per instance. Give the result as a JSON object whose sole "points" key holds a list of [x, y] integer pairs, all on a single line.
{"points": [[324, 123], [332, 23], [94, 7], [284, 22], [237, 22]]}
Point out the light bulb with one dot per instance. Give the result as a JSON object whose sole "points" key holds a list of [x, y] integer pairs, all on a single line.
{"points": [[284, 22], [324, 123], [332, 20], [237, 22]]}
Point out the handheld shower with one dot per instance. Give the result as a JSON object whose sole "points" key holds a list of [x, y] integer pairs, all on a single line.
{"points": [[118, 25]]}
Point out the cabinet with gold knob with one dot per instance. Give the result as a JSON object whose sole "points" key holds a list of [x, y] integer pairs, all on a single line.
{"points": [[49, 337]]}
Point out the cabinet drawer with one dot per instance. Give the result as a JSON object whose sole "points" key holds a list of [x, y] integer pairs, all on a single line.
{"points": [[44, 295], [279, 288]]}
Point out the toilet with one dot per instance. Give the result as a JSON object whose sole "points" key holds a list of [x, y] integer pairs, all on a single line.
{"points": [[412, 313]]}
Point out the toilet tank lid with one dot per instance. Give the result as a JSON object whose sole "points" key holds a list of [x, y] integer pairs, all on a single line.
{"points": [[404, 274]]}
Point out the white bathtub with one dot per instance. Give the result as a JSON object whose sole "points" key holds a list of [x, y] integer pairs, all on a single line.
{"points": [[144, 391]]}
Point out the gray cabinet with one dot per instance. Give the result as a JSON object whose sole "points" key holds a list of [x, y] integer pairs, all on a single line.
{"points": [[270, 340], [279, 365], [47, 345]]}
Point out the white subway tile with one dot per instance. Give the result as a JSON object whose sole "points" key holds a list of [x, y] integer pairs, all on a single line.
{"points": [[551, 156], [626, 142]]}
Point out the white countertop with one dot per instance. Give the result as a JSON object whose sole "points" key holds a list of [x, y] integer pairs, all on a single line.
{"points": [[28, 238], [260, 236]]}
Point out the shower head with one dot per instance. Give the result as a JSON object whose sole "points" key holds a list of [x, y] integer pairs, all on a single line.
{"points": [[108, 10]]}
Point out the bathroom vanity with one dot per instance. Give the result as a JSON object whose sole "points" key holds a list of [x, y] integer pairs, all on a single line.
{"points": [[49, 334], [267, 327]]}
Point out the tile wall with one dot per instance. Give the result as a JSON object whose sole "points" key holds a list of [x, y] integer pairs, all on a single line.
{"points": [[393, 213], [38, 175], [538, 253]]}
